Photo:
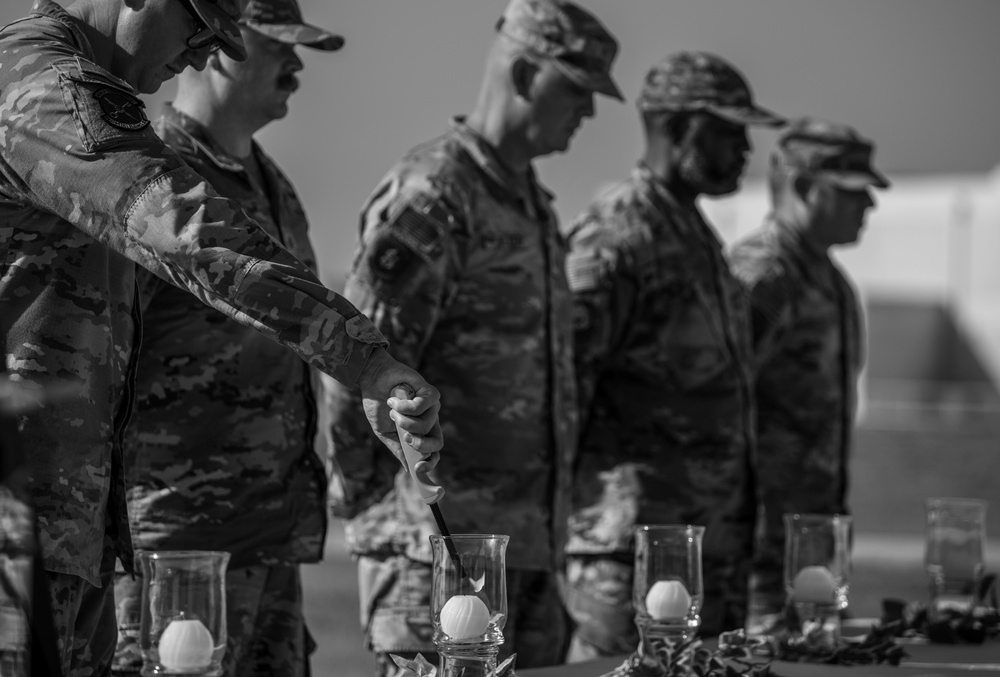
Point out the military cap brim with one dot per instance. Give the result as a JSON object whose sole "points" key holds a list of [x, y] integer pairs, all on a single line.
{"points": [[857, 180], [298, 34], [602, 83], [224, 26], [752, 115]]}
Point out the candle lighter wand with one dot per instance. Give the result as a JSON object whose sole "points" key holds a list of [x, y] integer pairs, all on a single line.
{"points": [[429, 492]]}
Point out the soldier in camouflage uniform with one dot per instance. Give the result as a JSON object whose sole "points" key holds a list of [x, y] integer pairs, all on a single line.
{"points": [[807, 335], [662, 358], [87, 191], [461, 266], [224, 417], [27, 638]]}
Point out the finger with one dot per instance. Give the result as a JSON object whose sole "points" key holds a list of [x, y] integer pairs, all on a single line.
{"points": [[423, 425], [424, 442], [425, 400], [427, 464]]}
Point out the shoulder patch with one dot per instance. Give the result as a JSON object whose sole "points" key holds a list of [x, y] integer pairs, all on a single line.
{"points": [[121, 109], [105, 109], [422, 225], [585, 269], [389, 257]]}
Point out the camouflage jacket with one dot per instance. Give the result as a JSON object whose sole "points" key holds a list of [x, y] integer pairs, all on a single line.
{"points": [[219, 451], [87, 190], [662, 358], [808, 355], [461, 266], [18, 550]]}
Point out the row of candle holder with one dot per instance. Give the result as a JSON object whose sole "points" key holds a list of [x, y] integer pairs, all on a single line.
{"points": [[182, 630]]}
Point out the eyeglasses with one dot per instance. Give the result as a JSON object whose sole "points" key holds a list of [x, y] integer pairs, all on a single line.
{"points": [[203, 36]]}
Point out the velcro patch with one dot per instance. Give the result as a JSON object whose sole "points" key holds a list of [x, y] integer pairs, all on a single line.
{"points": [[105, 109], [390, 257], [584, 270], [422, 227], [121, 109]]}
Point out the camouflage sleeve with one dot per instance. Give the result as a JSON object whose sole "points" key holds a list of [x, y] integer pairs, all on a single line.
{"points": [[603, 298], [81, 148], [399, 278]]}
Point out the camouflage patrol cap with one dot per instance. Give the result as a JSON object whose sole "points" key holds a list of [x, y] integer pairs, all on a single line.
{"points": [[282, 20], [700, 81], [572, 38], [220, 16], [834, 151]]}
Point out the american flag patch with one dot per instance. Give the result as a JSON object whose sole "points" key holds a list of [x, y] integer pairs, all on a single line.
{"points": [[422, 230], [583, 270]]}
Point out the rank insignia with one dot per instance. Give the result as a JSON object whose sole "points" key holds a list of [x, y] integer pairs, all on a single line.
{"points": [[121, 109]]}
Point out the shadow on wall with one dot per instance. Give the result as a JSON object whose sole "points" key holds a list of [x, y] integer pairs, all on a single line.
{"points": [[931, 421]]}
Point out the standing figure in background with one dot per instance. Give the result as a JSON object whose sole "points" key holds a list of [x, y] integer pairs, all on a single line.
{"points": [[88, 193], [27, 636], [662, 358], [220, 451], [461, 265], [808, 336]]}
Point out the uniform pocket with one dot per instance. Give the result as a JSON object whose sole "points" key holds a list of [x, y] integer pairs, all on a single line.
{"points": [[106, 110]]}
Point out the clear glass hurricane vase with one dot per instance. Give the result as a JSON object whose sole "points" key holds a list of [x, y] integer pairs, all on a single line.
{"points": [[182, 630], [468, 602]]}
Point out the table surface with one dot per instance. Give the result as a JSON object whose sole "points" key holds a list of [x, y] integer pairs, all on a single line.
{"points": [[924, 660]]}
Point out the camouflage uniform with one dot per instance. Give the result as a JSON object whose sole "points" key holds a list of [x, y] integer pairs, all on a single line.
{"points": [[662, 350], [27, 643], [460, 264], [807, 343], [220, 447], [665, 394], [87, 190], [808, 339]]}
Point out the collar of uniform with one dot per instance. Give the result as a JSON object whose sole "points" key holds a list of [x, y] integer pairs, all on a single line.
{"points": [[486, 158], [53, 10], [197, 134], [793, 237], [815, 265], [689, 220]]}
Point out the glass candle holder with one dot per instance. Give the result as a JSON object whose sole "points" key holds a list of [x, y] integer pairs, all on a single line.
{"points": [[182, 630], [953, 555], [667, 590], [817, 573], [468, 602]]}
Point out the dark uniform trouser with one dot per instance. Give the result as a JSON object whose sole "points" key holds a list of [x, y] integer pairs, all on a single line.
{"points": [[395, 614], [265, 628], [599, 600], [84, 619]]}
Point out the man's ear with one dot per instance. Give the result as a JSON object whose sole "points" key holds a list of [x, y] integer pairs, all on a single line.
{"points": [[802, 184], [214, 61], [676, 128], [522, 75]]}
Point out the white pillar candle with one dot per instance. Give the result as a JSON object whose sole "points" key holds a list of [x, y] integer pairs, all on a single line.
{"points": [[814, 585], [186, 644], [464, 617], [668, 599]]}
